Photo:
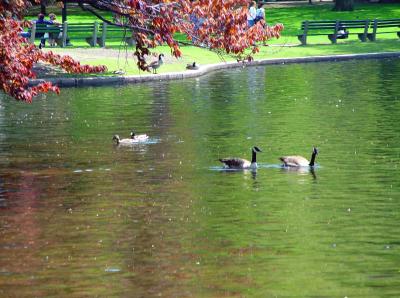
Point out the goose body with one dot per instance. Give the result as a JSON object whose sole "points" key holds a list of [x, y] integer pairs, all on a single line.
{"points": [[299, 161], [139, 138], [125, 142], [192, 66], [241, 163], [156, 64]]}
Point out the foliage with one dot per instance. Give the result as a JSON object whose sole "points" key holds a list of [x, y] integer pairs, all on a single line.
{"points": [[17, 58], [220, 25]]}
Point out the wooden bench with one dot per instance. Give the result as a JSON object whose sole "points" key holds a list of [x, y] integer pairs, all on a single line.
{"points": [[81, 31], [385, 25], [113, 32], [331, 29], [86, 31], [357, 25], [318, 28], [39, 31]]}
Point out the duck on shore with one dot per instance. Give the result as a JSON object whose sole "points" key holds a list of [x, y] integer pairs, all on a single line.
{"points": [[192, 66]]}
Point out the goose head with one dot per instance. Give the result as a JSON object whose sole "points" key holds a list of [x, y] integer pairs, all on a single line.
{"points": [[116, 138], [193, 66], [254, 151], [132, 134], [313, 155], [160, 57]]}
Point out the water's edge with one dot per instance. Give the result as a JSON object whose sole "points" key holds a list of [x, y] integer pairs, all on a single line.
{"points": [[102, 81]]}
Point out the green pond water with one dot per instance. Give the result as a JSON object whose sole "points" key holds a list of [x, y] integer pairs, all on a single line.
{"points": [[80, 217]]}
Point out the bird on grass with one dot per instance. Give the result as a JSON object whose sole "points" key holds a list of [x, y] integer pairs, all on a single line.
{"points": [[240, 163], [299, 161], [119, 72], [156, 64], [192, 66]]}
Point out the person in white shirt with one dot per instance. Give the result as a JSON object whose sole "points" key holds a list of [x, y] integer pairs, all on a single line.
{"points": [[252, 14], [260, 13]]}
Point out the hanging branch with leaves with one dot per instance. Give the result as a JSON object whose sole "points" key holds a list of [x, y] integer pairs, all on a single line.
{"points": [[219, 25]]}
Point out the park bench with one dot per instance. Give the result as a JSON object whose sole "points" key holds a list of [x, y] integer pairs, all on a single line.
{"points": [[113, 32], [384, 26], [81, 31], [331, 29], [40, 30], [86, 31]]}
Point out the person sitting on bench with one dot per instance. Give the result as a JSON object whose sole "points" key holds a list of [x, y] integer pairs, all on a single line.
{"points": [[53, 36], [41, 35], [342, 33]]}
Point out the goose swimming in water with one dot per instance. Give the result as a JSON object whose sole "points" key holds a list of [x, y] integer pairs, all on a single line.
{"points": [[139, 138], [299, 161], [156, 64], [240, 163], [125, 142]]}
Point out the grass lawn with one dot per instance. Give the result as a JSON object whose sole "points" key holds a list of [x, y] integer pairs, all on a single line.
{"points": [[286, 46]]}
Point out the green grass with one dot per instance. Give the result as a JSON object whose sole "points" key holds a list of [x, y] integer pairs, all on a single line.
{"points": [[290, 16], [202, 56]]}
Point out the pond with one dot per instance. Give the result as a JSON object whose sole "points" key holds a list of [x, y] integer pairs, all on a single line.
{"points": [[81, 217]]}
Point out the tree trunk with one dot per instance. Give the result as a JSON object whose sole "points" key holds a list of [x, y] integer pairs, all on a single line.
{"points": [[43, 4], [64, 11], [344, 5]]}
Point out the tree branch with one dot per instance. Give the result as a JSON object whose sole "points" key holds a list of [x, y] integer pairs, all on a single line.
{"points": [[134, 28]]}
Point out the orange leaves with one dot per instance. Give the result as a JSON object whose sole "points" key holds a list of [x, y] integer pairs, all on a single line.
{"points": [[222, 25], [219, 25], [18, 58]]}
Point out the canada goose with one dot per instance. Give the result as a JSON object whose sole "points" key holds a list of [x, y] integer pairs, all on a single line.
{"points": [[156, 64], [240, 163], [299, 161], [139, 138], [124, 142], [192, 66]]}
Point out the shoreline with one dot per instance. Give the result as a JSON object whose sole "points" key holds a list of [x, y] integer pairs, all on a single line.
{"points": [[203, 70]]}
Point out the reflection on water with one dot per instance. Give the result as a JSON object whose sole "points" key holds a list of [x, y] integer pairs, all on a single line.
{"points": [[82, 217], [300, 171]]}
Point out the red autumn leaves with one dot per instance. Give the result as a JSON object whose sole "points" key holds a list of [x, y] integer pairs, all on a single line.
{"points": [[219, 25]]}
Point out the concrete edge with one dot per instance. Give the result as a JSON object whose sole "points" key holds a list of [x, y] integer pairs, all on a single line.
{"points": [[102, 81]]}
